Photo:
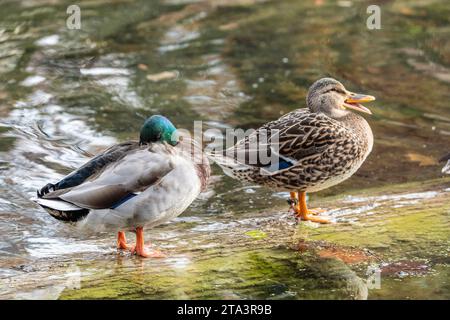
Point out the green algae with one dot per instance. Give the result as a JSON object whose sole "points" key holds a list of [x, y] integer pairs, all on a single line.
{"points": [[274, 267], [256, 234], [250, 274], [420, 228], [406, 232]]}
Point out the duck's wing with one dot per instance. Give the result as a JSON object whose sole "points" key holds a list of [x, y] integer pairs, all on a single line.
{"points": [[120, 180], [92, 168], [292, 138]]}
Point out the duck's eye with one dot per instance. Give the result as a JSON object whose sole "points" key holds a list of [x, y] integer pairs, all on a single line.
{"points": [[335, 90]]}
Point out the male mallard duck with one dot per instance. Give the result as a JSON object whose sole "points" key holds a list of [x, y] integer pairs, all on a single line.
{"points": [[315, 148], [446, 168], [132, 185]]}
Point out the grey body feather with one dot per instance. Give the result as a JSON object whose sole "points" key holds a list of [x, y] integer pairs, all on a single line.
{"points": [[158, 182]]}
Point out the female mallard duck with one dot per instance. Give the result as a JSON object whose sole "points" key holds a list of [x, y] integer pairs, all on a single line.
{"points": [[132, 185], [314, 148]]}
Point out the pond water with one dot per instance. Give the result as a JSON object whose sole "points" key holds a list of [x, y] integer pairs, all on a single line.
{"points": [[68, 94]]}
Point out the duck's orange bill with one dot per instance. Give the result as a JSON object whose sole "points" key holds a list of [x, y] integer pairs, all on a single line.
{"points": [[355, 100]]}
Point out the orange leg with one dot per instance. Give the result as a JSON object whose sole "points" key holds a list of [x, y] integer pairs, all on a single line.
{"points": [[122, 241], [140, 249], [302, 210], [294, 205], [293, 201]]}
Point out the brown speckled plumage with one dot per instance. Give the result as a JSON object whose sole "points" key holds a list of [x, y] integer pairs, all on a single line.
{"points": [[325, 146]]}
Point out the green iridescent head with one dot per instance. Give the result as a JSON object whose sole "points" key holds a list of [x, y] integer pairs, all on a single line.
{"points": [[158, 128]]}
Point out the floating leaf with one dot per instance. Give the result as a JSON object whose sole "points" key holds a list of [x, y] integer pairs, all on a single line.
{"points": [[166, 75], [422, 159]]}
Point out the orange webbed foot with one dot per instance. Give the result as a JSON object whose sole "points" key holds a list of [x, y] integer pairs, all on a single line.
{"points": [[316, 211], [122, 242], [309, 217], [141, 250], [301, 210], [145, 252]]}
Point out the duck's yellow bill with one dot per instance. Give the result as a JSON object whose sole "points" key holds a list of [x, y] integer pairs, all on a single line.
{"points": [[355, 100]]}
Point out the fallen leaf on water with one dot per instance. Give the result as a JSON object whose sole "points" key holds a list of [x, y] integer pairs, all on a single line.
{"points": [[422, 159], [165, 75], [349, 256], [406, 11], [142, 66], [229, 26]]}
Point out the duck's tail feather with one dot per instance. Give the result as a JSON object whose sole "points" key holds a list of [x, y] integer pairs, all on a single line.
{"points": [[62, 210], [446, 168], [229, 165]]}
